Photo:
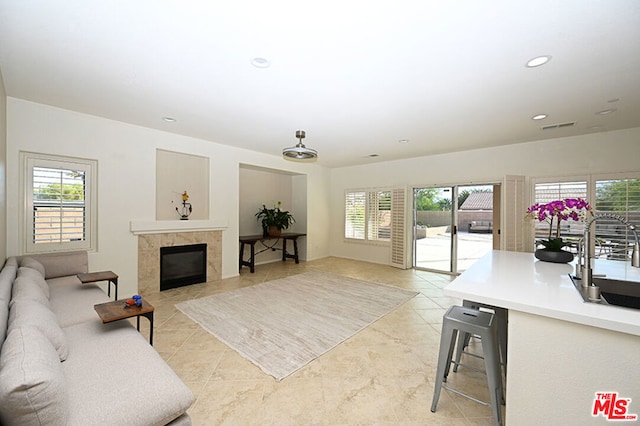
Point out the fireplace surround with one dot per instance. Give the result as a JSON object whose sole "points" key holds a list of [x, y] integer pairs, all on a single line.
{"points": [[149, 245]]}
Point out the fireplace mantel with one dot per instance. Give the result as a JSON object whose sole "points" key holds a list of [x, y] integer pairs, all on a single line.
{"points": [[141, 227]]}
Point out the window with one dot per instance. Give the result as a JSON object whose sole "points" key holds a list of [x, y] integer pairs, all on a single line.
{"points": [[355, 207], [550, 191], [368, 215], [620, 197], [59, 198], [379, 216], [608, 195]]}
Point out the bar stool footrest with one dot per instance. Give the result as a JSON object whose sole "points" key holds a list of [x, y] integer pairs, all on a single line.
{"points": [[476, 369], [457, 392]]}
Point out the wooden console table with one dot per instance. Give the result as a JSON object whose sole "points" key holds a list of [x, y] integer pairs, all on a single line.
{"points": [[251, 240]]}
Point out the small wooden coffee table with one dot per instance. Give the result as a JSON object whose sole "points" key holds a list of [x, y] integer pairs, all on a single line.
{"points": [[93, 277], [118, 310]]}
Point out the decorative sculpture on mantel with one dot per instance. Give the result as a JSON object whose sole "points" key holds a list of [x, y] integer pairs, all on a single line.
{"points": [[186, 207]]}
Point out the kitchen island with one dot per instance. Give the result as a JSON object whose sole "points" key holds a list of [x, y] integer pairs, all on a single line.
{"points": [[561, 351]]}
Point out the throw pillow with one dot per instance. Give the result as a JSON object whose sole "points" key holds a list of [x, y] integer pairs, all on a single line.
{"points": [[26, 288], [32, 385], [25, 312], [36, 277], [30, 262]]}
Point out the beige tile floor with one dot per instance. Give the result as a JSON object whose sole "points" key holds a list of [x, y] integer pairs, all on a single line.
{"points": [[383, 375]]}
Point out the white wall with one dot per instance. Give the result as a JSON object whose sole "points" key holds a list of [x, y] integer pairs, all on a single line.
{"points": [[127, 182], [258, 187], [596, 153], [126, 157], [176, 173]]}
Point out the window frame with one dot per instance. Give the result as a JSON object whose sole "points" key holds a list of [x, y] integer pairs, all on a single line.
{"points": [[369, 198], [29, 161]]}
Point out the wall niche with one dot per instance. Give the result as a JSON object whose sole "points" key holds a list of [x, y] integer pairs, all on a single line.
{"points": [[176, 173]]}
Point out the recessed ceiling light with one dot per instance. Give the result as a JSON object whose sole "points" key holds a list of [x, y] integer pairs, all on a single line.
{"points": [[403, 141], [540, 60], [169, 119], [373, 155], [606, 111], [539, 117], [260, 63]]}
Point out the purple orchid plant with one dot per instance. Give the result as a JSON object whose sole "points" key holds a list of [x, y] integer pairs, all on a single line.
{"points": [[569, 208]]}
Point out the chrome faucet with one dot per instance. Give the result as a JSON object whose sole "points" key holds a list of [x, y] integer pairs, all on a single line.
{"points": [[585, 271]]}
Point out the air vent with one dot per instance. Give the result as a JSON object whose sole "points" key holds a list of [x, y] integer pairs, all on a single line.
{"points": [[566, 124], [558, 126]]}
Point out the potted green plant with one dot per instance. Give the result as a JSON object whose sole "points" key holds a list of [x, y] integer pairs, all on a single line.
{"points": [[274, 220], [575, 209]]}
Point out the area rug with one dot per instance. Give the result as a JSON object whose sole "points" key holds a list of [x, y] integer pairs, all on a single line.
{"points": [[284, 324]]}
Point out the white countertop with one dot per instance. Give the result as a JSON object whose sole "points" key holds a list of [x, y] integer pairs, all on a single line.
{"points": [[520, 282]]}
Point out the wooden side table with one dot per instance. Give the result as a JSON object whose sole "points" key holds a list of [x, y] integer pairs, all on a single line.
{"points": [[119, 310], [93, 277]]}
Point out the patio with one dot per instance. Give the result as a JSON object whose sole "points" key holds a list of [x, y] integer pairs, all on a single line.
{"points": [[434, 252]]}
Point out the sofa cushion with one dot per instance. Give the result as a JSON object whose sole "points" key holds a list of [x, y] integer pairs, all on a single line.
{"points": [[32, 384], [26, 288], [7, 276], [147, 390], [36, 277], [30, 262], [63, 264], [34, 314], [12, 261], [69, 291]]}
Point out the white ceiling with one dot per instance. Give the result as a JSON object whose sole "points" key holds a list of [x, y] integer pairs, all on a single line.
{"points": [[356, 75]]}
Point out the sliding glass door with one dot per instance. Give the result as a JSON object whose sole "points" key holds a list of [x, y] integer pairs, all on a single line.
{"points": [[454, 226], [433, 237], [478, 223]]}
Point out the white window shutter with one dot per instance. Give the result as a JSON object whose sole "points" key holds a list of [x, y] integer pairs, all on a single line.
{"points": [[355, 207], [546, 192], [399, 249], [514, 212]]}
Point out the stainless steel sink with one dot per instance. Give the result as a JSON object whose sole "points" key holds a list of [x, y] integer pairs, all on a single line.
{"points": [[612, 292]]}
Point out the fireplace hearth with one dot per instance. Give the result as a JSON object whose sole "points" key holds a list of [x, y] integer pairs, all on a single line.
{"points": [[182, 265]]}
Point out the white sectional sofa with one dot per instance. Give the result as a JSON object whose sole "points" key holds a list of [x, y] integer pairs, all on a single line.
{"points": [[60, 365]]}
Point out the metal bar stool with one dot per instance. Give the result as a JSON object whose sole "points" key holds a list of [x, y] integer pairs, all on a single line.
{"points": [[484, 324], [502, 323]]}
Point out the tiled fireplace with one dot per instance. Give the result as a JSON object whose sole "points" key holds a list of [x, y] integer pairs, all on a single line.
{"points": [[151, 240]]}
